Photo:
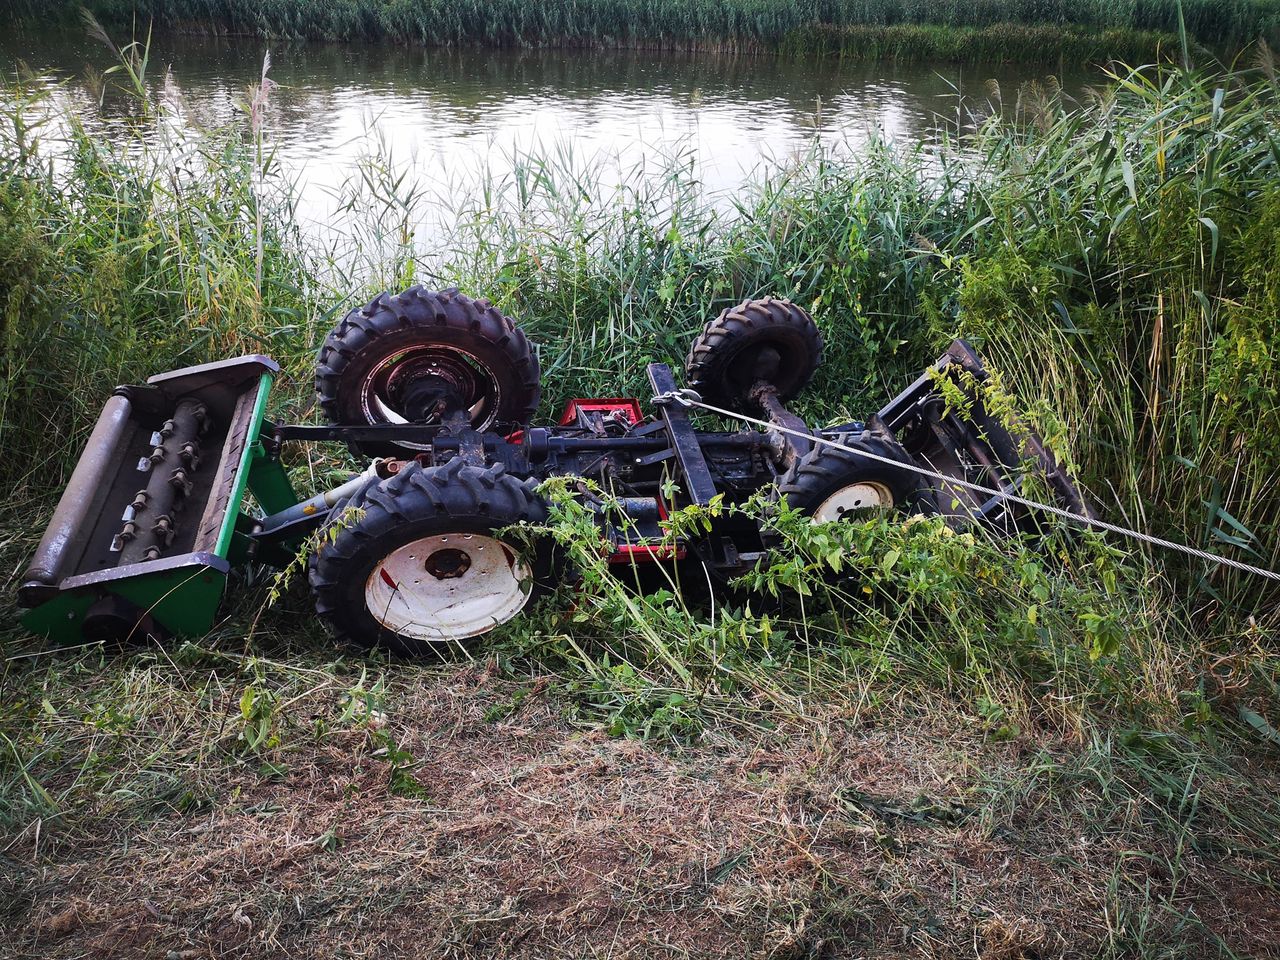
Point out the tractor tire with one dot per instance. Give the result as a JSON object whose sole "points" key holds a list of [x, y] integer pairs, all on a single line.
{"points": [[398, 359], [768, 340], [831, 484], [409, 571]]}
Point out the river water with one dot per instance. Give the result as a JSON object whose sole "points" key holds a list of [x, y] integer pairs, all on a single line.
{"points": [[448, 117]]}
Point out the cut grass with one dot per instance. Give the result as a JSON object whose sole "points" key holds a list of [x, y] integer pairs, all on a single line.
{"points": [[413, 822]]}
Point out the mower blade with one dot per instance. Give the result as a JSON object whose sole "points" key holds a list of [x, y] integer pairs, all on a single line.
{"points": [[140, 541]]}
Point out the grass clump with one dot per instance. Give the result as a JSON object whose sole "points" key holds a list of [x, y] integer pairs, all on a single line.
{"points": [[1181, 407]]}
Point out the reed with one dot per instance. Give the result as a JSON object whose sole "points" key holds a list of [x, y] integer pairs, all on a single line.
{"points": [[999, 43], [717, 24], [1116, 261]]}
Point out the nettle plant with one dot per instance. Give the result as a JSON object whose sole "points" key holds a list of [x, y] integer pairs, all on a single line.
{"points": [[965, 607]]}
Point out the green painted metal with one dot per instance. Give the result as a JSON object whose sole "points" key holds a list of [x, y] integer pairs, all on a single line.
{"points": [[241, 542], [183, 601], [251, 444], [269, 483], [59, 619]]}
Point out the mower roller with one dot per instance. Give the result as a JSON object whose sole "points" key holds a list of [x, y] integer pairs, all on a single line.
{"points": [[436, 390]]}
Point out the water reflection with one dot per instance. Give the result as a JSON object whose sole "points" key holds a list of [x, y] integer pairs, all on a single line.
{"points": [[446, 115]]}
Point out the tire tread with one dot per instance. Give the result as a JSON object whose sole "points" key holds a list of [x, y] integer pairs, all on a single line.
{"points": [[450, 492]]}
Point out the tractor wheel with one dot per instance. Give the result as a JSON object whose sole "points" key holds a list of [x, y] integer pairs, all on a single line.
{"points": [[415, 564], [412, 357], [768, 340], [832, 484]]}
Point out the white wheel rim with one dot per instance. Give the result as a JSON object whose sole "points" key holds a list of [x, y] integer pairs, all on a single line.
{"points": [[447, 587], [855, 499]]}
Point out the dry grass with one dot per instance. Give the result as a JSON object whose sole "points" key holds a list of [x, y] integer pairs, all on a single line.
{"points": [[897, 836]]}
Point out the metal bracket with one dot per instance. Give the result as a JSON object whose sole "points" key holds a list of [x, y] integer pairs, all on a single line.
{"points": [[671, 402], [651, 459]]}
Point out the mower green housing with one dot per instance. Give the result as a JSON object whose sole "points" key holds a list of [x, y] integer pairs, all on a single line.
{"points": [[144, 535]]}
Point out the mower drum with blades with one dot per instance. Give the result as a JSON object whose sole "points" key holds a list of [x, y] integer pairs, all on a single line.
{"points": [[416, 553]]}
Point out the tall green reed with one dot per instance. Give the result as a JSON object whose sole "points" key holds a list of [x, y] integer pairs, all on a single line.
{"points": [[154, 244], [1127, 276], [1043, 44], [708, 24]]}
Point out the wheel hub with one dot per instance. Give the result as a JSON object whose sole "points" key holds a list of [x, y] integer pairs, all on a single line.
{"points": [[447, 587], [423, 384], [448, 564], [862, 497]]}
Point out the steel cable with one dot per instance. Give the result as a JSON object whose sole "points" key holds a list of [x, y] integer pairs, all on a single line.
{"points": [[689, 398]]}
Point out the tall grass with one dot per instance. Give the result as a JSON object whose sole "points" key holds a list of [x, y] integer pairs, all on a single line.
{"points": [[1041, 44], [1129, 277], [1116, 260], [111, 258], [668, 23]]}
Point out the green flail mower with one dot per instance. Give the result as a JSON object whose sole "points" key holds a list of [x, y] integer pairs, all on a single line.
{"points": [[436, 390]]}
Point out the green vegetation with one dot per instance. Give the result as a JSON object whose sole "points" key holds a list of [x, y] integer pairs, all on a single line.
{"points": [[724, 24], [1000, 43], [1116, 710]]}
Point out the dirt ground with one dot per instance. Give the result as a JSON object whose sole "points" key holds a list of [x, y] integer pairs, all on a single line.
{"points": [[525, 837]]}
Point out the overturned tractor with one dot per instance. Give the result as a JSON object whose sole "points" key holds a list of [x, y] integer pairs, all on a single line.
{"points": [[437, 390]]}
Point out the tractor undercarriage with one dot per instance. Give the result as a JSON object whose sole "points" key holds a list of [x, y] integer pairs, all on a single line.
{"points": [[437, 390]]}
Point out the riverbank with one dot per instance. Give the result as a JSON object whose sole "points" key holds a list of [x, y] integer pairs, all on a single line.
{"points": [[1064, 749], [708, 25], [1002, 43], [462, 813]]}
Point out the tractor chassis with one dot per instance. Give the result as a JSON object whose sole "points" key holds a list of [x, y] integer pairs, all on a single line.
{"points": [[100, 571], [610, 442]]}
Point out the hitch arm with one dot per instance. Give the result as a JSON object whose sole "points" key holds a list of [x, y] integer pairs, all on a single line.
{"points": [[699, 484]]}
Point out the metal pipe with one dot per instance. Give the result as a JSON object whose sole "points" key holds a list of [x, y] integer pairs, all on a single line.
{"points": [[320, 503], [69, 526]]}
